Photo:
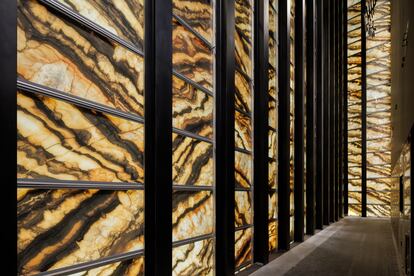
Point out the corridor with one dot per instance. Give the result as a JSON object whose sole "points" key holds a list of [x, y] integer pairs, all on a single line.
{"points": [[352, 246]]}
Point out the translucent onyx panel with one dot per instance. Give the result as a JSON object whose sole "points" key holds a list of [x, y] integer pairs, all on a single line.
{"points": [[243, 169], [243, 208], [273, 229], [192, 109], [354, 60], [93, 68], [273, 18], [124, 18], [354, 172], [381, 184], [354, 148], [354, 160], [354, 197], [192, 161], [272, 52], [272, 205], [376, 197], [273, 118], [58, 140], [195, 258], [130, 267], [193, 214], [375, 91], [354, 210], [379, 104], [243, 246], [272, 144], [379, 118], [379, 171], [272, 82], [243, 35], [198, 14], [354, 42], [191, 56], [355, 110], [272, 173], [354, 135], [375, 210], [378, 131], [378, 158], [243, 131], [243, 92], [376, 145], [354, 71], [354, 123], [64, 227], [355, 185], [354, 89]]}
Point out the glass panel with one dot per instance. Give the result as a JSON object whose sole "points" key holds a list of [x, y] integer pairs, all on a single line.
{"points": [[192, 109], [243, 131], [194, 258], [124, 18], [54, 52], [243, 169], [58, 140], [191, 57], [243, 208], [193, 214], [198, 14], [59, 228], [192, 161], [243, 246]]}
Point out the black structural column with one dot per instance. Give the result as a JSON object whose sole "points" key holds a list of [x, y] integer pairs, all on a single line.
{"points": [[345, 103], [319, 190], [336, 110], [261, 101], [364, 110], [331, 106], [299, 121], [310, 116], [158, 145], [340, 109], [224, 151], [284, 124]]}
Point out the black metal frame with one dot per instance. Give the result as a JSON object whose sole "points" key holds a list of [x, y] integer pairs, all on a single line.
{"points": [[158, 133], [299, 136], [319, 185], [331, 107], [284, 123], [260, 138], [310, 116], [363, 111], [345, 103], [336, 110], [225, 144]]}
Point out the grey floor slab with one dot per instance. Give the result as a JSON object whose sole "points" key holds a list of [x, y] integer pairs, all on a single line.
{"points": [[353, 246]]}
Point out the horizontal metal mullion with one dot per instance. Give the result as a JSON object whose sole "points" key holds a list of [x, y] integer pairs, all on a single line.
{"points": [[193, 83], [249, 79], [377, 72], [91, 25], [84, 185], [243, 150], [245, 264], [57, 94], [248, 114], [376, 46], [93, 264], [192, 188], [194, 32], [243, 189], [243, 227], [374, 86], [192, 240], [191, 135], [272, 129]]}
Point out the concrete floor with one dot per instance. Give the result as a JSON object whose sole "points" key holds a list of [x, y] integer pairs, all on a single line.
{"points": [[352, 246]]}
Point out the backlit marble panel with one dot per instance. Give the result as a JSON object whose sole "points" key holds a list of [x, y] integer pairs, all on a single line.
{"points": [[354, 198], [378, 131], [273, 118], [354, 135], [379, 171], [272, 173], [379, 104], [55, 52], [243, 131], [354, 210], [193, 214], [194, 258], [131, 267], [355, 185], [378, 158], [243, 246], [273, 228], [192, 161], [354, 160], [243, 35], [191, 56], [378, 197], [198, 14], [354, 123], [192, 109], [354, 172], [59, 228], [380, 184], [243, 169], [272, 205], [378, 210], [272, 144], [243, 92], [272, 82], [243, 208], [354, 148], [58, 140], [376, 145], [124, 18]]}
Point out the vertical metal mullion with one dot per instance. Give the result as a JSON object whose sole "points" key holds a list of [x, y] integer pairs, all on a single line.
{"points": [[158, 132], [345, 101], [284, 123], [299, 122], [260, 128], [319, 210], [326, 134], [336, 107], [364, 111], [310, 117], [331, 106], [8, 53], [340, 108], [224, 138]]}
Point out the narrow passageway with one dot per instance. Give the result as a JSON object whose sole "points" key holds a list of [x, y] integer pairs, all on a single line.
{"points": [[353, 246]]}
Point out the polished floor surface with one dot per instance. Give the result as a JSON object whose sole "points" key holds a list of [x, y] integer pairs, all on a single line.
{"points": [[352, 246]]}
